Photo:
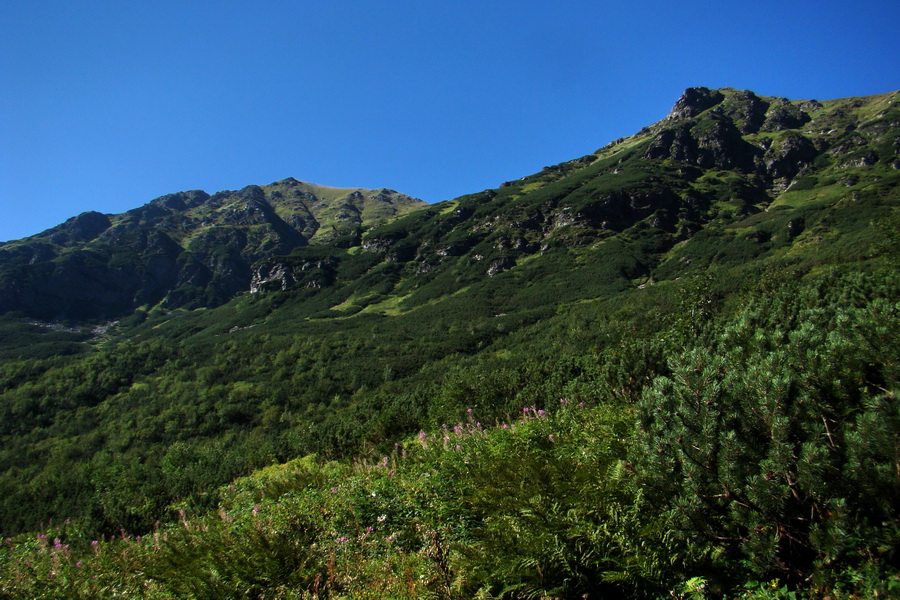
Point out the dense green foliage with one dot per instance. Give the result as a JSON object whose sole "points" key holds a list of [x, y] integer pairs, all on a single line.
{"points": [[668, 369]]}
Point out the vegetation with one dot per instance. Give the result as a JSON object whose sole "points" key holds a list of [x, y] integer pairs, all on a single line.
{"points": [[646, 373]]}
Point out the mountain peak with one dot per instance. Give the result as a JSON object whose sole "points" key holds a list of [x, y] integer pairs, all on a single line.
{"points": [[181, 249], [694, 101], [287, 181]]}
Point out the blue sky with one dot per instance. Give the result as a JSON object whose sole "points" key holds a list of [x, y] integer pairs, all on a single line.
{"points": [[106, 105]]}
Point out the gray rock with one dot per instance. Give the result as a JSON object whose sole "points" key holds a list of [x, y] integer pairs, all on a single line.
{"points": [[693, 102]]}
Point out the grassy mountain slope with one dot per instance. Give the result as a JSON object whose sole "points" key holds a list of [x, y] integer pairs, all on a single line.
{"points": [[714, 298], [185, 249]]}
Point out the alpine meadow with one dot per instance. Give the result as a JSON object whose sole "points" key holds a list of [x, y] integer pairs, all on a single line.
{"points": [[667, 369]]}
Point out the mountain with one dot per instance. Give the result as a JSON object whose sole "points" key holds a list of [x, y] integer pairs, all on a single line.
{"points": [[180, 250], [666, 368], [727, 175]]}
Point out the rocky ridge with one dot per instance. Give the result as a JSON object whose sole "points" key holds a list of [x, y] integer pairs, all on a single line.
{"points": [[183, 249], [746, 169], [718, 156]]}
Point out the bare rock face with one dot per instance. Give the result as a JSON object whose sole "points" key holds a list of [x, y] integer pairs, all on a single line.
{"points": [[676, 143], [290, 272], [747, 110], [715, 143], [272, 277], [693, 102], [785, 158], [784, 115], [721, 146], [499, 265]]}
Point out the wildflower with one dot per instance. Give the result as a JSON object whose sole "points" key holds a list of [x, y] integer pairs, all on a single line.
{"points": [[255, 510], [505, 426], [422, 435], [78, 564], [95, 543], [470, 411], [550, 437], [458, 447], [525, 410], [342, 539], [542, 412]]}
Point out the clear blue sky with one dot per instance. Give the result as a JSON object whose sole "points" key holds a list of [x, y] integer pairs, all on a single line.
{"points": [[105, 105]]}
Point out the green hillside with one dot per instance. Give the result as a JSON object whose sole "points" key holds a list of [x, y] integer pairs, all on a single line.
{"points": [[188, 249], [664, 369]]}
